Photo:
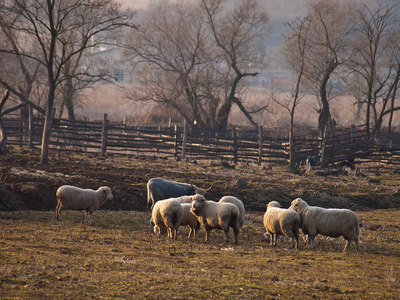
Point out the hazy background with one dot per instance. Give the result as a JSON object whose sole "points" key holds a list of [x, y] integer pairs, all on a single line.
{"points": [[111, 100]]}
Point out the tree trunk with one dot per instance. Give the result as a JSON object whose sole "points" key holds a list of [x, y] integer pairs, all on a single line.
{"points": [[222, 117], [325, 114], [68, 98], [44, 158], [3, 132]]}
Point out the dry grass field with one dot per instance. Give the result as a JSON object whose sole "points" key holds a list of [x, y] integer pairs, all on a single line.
{"points": [[119, 257]]}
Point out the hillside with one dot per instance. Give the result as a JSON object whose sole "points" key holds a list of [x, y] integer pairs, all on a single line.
{"points": [[28, 185]]}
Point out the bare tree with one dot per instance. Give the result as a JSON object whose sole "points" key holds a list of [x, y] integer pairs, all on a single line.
{"points": [[171, 55], [191, 57], [374, 67], [294, 48], [328, 42], [53, 26], [236, 33]]}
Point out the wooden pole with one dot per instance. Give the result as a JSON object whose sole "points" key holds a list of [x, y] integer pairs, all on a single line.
{"points": [[176, 142], [31, 128], [104, 136], [235, 146], [260, 150], [185, 134]]}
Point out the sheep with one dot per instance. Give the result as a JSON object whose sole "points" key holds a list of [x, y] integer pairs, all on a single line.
{"points": [[330, 222], [216, 215], [184, 199], [75, 198], [239, 204], [159, 189], [167, 217], [280, 221], [190, 220]]}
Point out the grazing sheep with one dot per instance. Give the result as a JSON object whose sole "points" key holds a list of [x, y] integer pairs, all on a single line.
{"points": [[280, 221], [216, 215], [190, 220], [330, 222], [182, 200], [159, 189], [239, 205], [167, 217], [72, 197]]}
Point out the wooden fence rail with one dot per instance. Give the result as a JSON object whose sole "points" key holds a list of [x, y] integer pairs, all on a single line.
{"points": [[236, 145]]}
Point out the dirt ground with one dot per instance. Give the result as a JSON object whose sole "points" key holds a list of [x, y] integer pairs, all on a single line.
{"points": [[25, 184]]}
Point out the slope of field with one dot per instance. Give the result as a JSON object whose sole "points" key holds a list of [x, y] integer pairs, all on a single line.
{"points": [[27, 184]]}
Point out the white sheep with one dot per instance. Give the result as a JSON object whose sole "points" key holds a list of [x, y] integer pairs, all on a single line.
{"points": [[72, 197], [330, 222], [280, 221], [190, 220], [184, 199], [167, 217], [239, 204], [216, 215]]}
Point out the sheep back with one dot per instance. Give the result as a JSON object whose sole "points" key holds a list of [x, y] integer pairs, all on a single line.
{"points": [[72, 197], [280, 221], [333, 222], [239, 204], [190, 220], [216, 215], [167, 216]]}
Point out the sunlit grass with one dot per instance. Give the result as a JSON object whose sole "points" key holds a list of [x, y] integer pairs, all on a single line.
{"points": [[119, 257]]}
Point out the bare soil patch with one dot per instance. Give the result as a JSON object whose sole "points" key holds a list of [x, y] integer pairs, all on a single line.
{"points": [[28, 185]]}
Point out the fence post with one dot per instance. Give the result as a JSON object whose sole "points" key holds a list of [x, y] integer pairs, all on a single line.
{"points": [[176, 142], [235, 146], [323, 146], [104, 136], [30, 138], [260, 150], [185, 134]]}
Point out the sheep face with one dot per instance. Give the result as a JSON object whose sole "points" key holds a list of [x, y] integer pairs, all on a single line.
{"points": [[198, 201], [107, 191]]}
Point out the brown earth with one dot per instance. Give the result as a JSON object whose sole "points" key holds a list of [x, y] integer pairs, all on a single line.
{"points": [[25, 184]]}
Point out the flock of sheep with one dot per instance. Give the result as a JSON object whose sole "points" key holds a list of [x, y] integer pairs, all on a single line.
{"points": [[176, 204]]}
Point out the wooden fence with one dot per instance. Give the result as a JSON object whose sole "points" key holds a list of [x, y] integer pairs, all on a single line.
{"points": [[236, 145]]}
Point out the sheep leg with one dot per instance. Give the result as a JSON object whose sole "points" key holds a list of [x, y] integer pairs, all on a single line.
{"points": [[58, 211], [311, 241], [236, 232], [88, 217], [273, 239], [227, 236], [207, 234], [357, 245], [169, 235], [190, 232]]}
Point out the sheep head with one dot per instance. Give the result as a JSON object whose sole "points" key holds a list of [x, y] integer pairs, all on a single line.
{"points": [[273, 204], [198, 202], [298, 204]]}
